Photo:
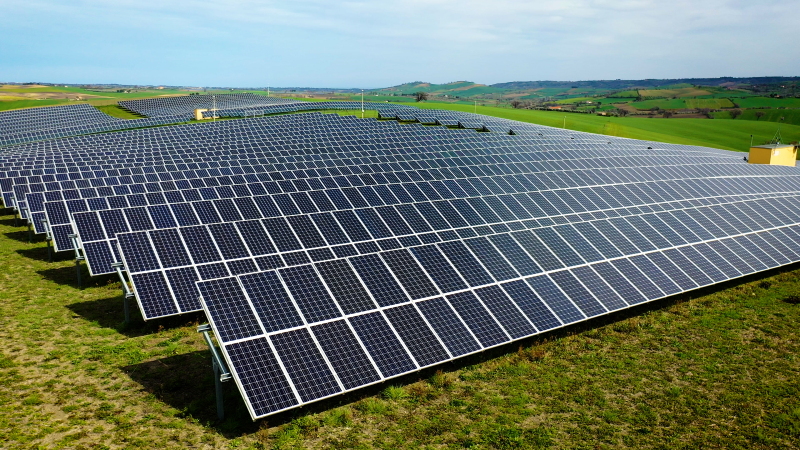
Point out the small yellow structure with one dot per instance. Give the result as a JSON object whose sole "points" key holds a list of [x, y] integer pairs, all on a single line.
{"points": [[198, 114], [773, 154]]}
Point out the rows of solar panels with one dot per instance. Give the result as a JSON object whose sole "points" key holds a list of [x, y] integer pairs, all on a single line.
{"points": [[36, 124], [186, 104], [330, 252]]}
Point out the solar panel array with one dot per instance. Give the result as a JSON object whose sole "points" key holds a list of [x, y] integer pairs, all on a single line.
{"points": [[186, 104], [36, 124], [385, 108], [330, 253]]}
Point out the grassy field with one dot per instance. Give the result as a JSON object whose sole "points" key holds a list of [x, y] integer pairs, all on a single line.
{"points": [[676, 92], [714, 369], [724, 134], [761, 102], [673, 103], [116, 111], [711, 103], [790, 116]]}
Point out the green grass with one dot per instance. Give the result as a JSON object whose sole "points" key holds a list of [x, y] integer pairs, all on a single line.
{"points": [[675, 103], [724, 134], [791, 116], [714, 369], [761, 102], [116, 111], [20, 104], [711, 103]]}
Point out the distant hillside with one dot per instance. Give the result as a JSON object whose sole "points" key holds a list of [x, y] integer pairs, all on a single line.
{"points": [[627, 84]]}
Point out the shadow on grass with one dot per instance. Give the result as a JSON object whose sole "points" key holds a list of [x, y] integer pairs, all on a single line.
{"points": [[186, 383], [40, 254], [110, 313]]}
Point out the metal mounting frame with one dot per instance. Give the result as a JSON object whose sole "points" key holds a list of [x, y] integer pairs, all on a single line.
{"points": [[78, 257], [221, 372], [127, 294]]}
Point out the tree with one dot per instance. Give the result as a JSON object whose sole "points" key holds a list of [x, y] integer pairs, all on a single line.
{"points": [[735, 113], [421, 96], [515, 104], [759, 114], [667, 114], [622, 112]]}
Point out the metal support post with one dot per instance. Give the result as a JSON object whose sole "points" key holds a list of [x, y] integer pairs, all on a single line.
{"points": [[221, 372], [30, 234], [48, 238], [127, 295], [78, 257]]}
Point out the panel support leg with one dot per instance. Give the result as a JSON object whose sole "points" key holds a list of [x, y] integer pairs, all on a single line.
{"points": [[126, 291], [221, 372], [48, 238], [30, 234], [78, 257]]}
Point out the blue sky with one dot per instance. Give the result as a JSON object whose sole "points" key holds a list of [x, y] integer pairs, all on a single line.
{"points": [[368, 44]]}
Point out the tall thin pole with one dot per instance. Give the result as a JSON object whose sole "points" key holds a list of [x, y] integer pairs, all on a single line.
{"points": [[476, 107], [214, 108], [362, 103], [565, 122]]}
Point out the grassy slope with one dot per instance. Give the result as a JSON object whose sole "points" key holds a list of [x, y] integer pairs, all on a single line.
{"points": [[718, 370], [724, 134]]}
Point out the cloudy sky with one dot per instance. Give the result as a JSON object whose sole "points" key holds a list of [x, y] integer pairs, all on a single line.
{"points": [[367, 44]]}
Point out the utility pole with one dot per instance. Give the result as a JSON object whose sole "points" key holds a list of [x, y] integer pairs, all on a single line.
{"points": [[362, 103], [476, 107], [565, 122]]}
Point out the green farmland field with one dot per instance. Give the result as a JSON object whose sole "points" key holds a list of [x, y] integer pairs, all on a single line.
{"points": [[711, 103], [791, 116], [761, 102]]}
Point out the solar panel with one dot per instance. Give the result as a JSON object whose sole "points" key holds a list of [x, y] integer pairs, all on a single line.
{"points": [[329, 252]]}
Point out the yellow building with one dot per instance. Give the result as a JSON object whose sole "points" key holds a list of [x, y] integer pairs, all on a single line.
{"points": [[774, 154]]}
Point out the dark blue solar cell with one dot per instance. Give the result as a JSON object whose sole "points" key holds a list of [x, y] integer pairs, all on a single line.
{"points": [[255, 237], [330, 229], [345, 286], [438, 268], [271, 301], [416, 334], [139, 254], [382, 344], [506, 312], [655, 274], [450, 214], [449, 327], [227, 210], [531, 305], [540, 252], [200, 243], [352, 226], [355, 198], [183, 283], [555, 298], [267, 206], [261, 377], [370, 196], [478, 319], [491, 259], [409, 273], [432, 215], [692, 265], [303, 361], [585, 249], [162, 216], [518, 257], [374, 224], [468, 213], [576, 292], [153, 294], [306, 231], [379, 280], [98, 257], [672, 271], [309, 293], [639, 279], [241, 266], [185, 215], [391, 217], [89, 227], [630, 233], [338, 199], [413, 218], [228, 241], [650, 232], [602, 291], [247, 208], [169, 247], [228, 309], [321, 201], [465, 263], [281, 234], [347, 357], [303, 202], [206, 212], [600, 242], [113, 222]]}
